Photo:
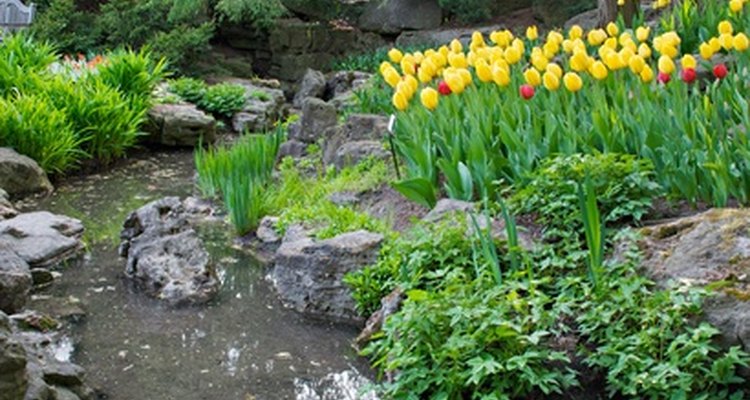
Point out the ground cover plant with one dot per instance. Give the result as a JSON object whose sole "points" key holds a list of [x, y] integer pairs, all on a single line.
{"points": [[222, 100], [61, 112]]}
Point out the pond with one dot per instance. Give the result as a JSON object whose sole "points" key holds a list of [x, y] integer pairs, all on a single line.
{"points": [[244, 345]]}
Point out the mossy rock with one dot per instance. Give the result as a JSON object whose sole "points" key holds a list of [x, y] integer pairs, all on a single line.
{"points": [[556, 12]]}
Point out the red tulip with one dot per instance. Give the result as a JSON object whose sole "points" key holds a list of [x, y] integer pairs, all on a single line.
{"points": [[444, 89], [689, 75], [720, 71], [664, 78], [526, 91]]}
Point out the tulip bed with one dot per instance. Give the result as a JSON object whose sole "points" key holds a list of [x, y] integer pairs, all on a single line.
{"points": [[473, 116]]}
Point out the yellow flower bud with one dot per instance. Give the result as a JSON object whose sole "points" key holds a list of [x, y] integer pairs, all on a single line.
{"points": [[539, 62], [706, 51], [642, 33], [408, 67], [532, 77], [647, 74], [477, 39], [611, 43], [636, 64], [455, 82], [418, 57], [555, 37], [573, 82], [500, 75], [715, 44], [612, 29], [444, 50], [413, 83], [551, 81], [457, 60], [465, 76], [484, 73], [429, 98], [614, 61], [725, 27], [404, 88], [512, 55], [575, 32], [688, 61], [400, 101], [669, 51], [741, 42], [392, 77], [555, 69], [727, 41], [597, 37], [424, 75], [644, 51], [532, 33], [598, 70], [580, 61], [736, 5], [395, 55], [384, 66], [518, 44], [567, 46], [666, 65]]}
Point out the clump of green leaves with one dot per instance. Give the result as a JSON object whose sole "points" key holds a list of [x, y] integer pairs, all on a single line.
{"points": [[223, 99], [190, 89]]}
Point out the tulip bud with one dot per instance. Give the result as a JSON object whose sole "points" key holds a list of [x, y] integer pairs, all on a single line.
{"points": [[741, 42], [575, 32], [555, 69], [532, 33], [689, 75], [666, 65], [500, 75], [484, 73], [598, 70], [736, 5], [688, 61], [706, 51], [551, 81], [395, 55], [664, 77], [725, 27], [642, 33], [720, 71], [532, 77], [400, 101], [573, 82], [526, 91], [647, 74], [429, 98]]}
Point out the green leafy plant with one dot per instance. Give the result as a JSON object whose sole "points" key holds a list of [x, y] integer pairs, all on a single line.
{"points": [[134, 73], [190, 89], [223, 99]]}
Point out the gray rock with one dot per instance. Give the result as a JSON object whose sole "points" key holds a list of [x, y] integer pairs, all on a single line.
{"points": [[357, 128], [15, 280], [447, 207], [264, 106], [13, 360], [353, 153], [63, 374], [292, 148], [345, 82], [308, 274], [20, 175], [389, 305], [313, 84], [344, 198], [394, 16], [42, 277], [180, 125], [6, 207], [266, 232], [43, 239], [60, 393], [317, 117], [165, 256], [698, 250]]}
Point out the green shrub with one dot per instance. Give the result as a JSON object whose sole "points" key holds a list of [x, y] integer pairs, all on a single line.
{"points": [[468, 10], [72, 30], [33, 126], [134, 73], [190, 89], [183, 45], [22, 61], [223, 99]]}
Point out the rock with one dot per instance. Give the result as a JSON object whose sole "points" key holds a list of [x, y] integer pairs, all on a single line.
{"points": [[6, 207], [13, 360], [63, 374], [698, 250], [165, 256], [264, 106], [389, 305], [556, 12], [344, 198], [587, 20], [313, 84], [43, 239], [42, 277], [292, 148], [308, 273], [180, 125], [266, 232], [344, 82], [317, 117], [394, 16], [353, 153], [15, 280], [20, 175], [35, 321], [447, 207], [358, 128]]}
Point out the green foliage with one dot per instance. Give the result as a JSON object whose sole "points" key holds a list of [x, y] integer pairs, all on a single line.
{"points": [[70, 28], [593, 228], [373, 98], [190, 89], [223, 99], [468, 10], [22, 60], [261, 13], [183, 45], [240, 174], [134, 74], [624, 186], [33, 126]]}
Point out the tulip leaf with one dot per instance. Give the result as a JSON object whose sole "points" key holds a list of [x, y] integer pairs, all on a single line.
{"points": [[419, 190]]}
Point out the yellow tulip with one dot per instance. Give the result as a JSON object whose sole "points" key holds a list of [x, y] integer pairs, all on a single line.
{"points": [[612, 29], [706, 51], [736, 5], [539, 62], [412, 82], [519, 45], [642, 33], [666, 65], [408, 67], [532, 77], [644, 51], [669, 51], [500, 75], [395, 55], [418, 57], [597, 37], [444, 50], [573, 82], [465, 76], [404, 88], [575, 32], [626, 53], [439, 59], [555, 37], [384, 66], [428, 66], [741, 42], [614, 61], [580, 61], [477, 39], [471, 58], [512, 55], [457, 60], [688, 61], [555, 69], [400, 101], [484, 73], [727, 41], [429, 98], [567, 46], [455, 82], [551, 81], [424, 75], [672, 38], [636, 64], [715, 44], [611, 43], [598, 70], [532, 33], [647, 74], [725, 27], [661, 4], [392, 77]]}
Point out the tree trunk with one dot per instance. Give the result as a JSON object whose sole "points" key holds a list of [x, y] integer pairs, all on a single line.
{"points": [[608, 11]]}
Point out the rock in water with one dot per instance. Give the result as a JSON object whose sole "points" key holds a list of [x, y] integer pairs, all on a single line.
{"points": [[709, 247], [43, 239], [165, 256], [180, 125], [308, 273], [15, 280], [20, 175], [13, 379]]}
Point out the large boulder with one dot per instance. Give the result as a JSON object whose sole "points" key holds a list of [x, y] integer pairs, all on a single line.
{"points": [[557, 12], [20, 175], [42, 239], [394, 16], [317, 118], [352, 153], [15, 280], [308, 274], [165, 256], [181, 125], [313, 84], [699, 250], [264, 106], [369, 129]]}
